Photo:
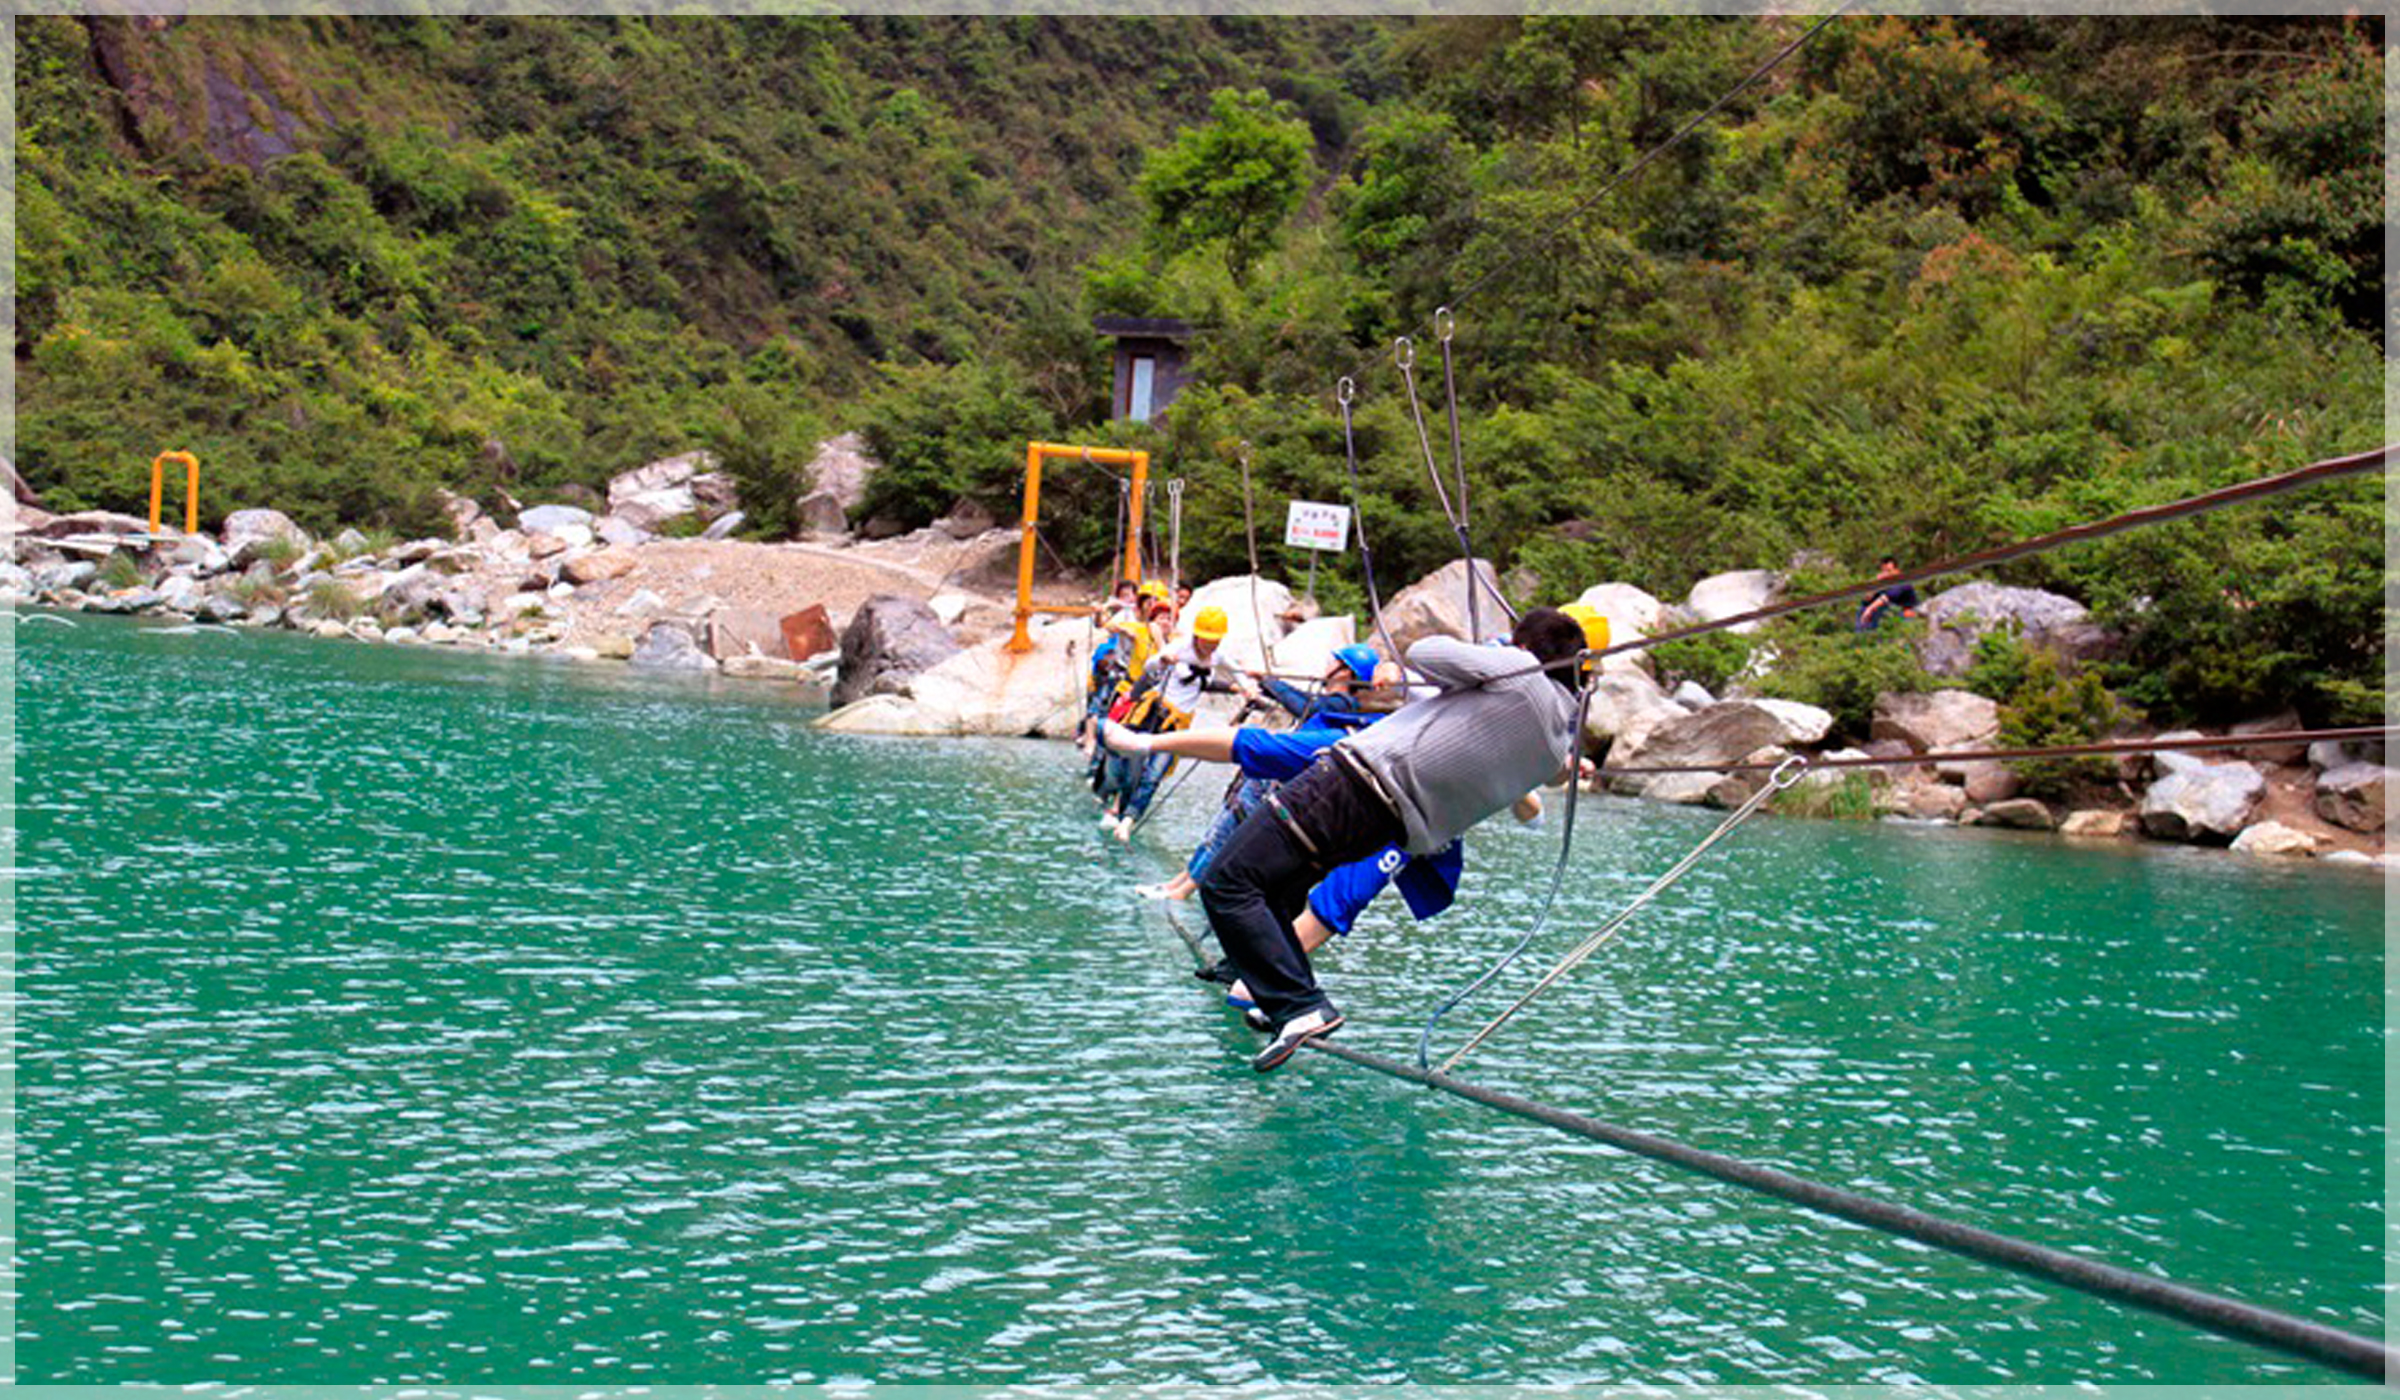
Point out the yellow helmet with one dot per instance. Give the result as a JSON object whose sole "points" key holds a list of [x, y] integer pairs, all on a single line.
{"points": [[1210, 625], [1153, 590], [1594, 624]]}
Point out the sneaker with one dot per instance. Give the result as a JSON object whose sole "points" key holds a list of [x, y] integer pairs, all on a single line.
{"points": [[1220, 972], [1259, 1021], [1292, 1034], [1124, 828]]}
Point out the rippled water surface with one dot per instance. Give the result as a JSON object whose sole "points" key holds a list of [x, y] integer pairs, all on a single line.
{"points": [[397, 1016]]}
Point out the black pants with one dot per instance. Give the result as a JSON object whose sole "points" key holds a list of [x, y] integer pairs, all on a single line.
{"points": [[1259, 882]]}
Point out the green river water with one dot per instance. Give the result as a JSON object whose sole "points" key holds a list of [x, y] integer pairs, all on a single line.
{"points": [[399, 1016]]}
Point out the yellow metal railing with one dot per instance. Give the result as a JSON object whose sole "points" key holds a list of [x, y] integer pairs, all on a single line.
{"points": [[1035, 454], [191, 489]]}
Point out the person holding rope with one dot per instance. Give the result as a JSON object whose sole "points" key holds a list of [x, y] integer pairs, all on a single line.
{"points": [[1163, 701], [1500, 726], [1335, 706]]}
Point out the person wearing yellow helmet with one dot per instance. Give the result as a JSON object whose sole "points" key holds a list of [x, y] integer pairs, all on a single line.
{"points": [[1163, 700], [1595, 631]]}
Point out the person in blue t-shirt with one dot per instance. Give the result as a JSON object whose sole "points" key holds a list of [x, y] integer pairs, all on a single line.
{"points": [[1884, 602]]}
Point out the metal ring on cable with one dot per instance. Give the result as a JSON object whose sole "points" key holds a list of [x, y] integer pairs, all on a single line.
{"points": [[1796, 767], [1404, 353], [1345, 390], [1445, 325]]}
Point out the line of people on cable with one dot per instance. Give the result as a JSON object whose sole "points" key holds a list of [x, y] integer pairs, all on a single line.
{"points": [[1362, 795], [1145, 679]]}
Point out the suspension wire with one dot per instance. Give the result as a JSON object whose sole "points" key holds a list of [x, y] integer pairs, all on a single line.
{"points": [[1404, 358], [1345, 391], [2330, 1346], [1542, 238], [1174, 533], [1786, 773], [1116, 552], [2254, 489], [1250, 537], [1445, 325], [2098, 749], [1558, 875]]}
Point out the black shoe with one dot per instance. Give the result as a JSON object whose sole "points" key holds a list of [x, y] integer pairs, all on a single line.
{"points": [[1258, 1020], [1293, 1034], [1220, 972]]}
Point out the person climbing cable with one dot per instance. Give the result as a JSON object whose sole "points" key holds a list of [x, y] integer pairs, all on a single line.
{"points": [[1135, 638], [1498, 728], [1162, 701]]}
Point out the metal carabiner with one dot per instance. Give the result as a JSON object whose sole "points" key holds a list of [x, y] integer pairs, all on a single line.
{"points": [[1344, 390], [1796, 767], [1404, 353], [1445, 325]]}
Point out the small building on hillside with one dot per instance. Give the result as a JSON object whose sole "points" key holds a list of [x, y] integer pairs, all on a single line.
{"points": [[1149, 364]]}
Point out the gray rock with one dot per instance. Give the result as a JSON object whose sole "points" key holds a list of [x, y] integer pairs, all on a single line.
{"points": [[2180, 760], [724, 525], [91, 522], [2347, 858], [1802, 724], [966, 520], [669, 646], [180, 593], [890, 640], [1989, 783], [617, 530], [546, 520], [1692, 696], [1721, 596], [1937, 722], [2352, 796], [461, 511], [841, 469], [244, 526], [821, 513], [2281, 722], [2210, 804], [1436, 605], [651, 510], [1933, 802], [1626, 705], [663, 474], [2022, 813], [71, 573], [2333, 753], [1720, 735], [349, 542], [2275, 839], [716, 492], [217, 607], [1632, 614], [132, 600], [2093, 822], [1957, 619]]}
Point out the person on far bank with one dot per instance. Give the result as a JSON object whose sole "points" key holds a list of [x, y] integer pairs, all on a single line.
{"points": [[1497, 728], [1883, 602]]}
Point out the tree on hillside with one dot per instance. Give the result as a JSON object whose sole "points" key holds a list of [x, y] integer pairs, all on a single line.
{"points": [[1234, 179]]}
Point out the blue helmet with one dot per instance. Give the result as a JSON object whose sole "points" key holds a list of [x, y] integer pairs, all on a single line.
{"points": [[1360, 659]]}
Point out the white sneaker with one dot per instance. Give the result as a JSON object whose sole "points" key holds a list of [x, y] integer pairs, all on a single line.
{"points": [[1124, 828], [1293, 1034]]}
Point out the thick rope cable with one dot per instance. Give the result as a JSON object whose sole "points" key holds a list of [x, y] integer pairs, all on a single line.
{"points": [[1344, 393], [1787, 773], [1558, 876], [1542, 239], [2331, 1346], [2241, 492], [2101, 749]]}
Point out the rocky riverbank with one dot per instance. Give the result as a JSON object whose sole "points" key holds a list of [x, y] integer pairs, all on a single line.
{"points": [[910, 632]]}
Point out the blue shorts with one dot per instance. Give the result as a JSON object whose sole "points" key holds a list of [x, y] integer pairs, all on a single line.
{"points": [[1280, 757]]}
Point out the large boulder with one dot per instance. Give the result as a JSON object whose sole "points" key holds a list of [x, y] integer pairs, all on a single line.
{"points": [[2023, 813], [841, 469], [1938, 721], [1803, 725], [1307, 650], [2209, 805], [985, 690], [1957, 619], [109, 522], [245, 526], [2275, 839], [599, 566], [2282, 722], [1625, 707], [2352, 795], [1436, 605], [663, 474], [1720, 735], [821, 514], [461, 511], [651, 510], [1721, 596], [1242, 646], [553, 519], [889, 641]]}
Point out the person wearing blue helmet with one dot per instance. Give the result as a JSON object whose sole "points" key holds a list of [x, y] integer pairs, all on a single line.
{"points": [[1335, 706]]}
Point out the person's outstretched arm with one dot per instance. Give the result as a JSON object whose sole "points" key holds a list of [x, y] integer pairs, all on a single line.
{"points": [[1455, 665]]}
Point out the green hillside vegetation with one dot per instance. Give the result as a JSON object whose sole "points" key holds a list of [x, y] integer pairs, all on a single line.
{"points": [[1936, 284]]}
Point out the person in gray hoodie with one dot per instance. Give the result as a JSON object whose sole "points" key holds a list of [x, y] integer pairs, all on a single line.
{"points": [[1501, 723]]}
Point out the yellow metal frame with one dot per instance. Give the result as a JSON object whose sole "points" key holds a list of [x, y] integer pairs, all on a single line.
{"points": [[1131, 567], [191, 489]]}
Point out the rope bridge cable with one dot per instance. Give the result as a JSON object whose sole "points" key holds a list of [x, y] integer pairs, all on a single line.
{"points": [[2317, 1341], [2239, 493], [2098, 749]]}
